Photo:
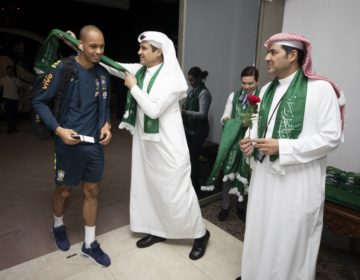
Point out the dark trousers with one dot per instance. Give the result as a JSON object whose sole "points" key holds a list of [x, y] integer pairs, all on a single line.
{"points": [[11, 110], [195, 143]]}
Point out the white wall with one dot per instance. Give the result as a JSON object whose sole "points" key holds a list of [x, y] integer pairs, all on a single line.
{"points": [[220, 37], [332, 26]]}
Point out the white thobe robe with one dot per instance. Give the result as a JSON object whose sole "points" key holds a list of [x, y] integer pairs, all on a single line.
{"points": [[162, 199], [286, 197]]}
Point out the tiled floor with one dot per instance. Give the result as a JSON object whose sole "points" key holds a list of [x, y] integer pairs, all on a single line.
{"points": [[27, 184], [167, 260], [27, 250]]}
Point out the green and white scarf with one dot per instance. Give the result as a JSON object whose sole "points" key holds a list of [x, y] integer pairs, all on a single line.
{"points": [[290, 115], [229, 158], [191, 103], [151, 126], [48, 53]]}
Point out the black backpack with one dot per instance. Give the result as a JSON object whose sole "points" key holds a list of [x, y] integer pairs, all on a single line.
{"points": [[55, 105]]}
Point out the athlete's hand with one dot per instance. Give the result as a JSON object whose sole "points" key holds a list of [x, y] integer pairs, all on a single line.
{"points": [[72, 34], [105, 134], [66, 135]]}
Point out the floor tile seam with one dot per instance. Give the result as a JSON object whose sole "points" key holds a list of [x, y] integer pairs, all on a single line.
{"points": [[102, 206], [123, 252], [39, 270], [27, 251], [12, 277], [112, 274], [10, 232], [194, 265]]}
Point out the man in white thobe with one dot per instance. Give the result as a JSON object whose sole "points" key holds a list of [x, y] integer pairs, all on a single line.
{"points": [[163, 203], [299, 123]]}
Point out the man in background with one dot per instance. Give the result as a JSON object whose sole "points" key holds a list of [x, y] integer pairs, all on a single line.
{"points": [[11, 87]]}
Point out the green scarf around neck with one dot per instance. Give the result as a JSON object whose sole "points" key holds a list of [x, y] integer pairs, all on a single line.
{"points": [[151, 126], [239, 103], [290, 114], [191, 103]]}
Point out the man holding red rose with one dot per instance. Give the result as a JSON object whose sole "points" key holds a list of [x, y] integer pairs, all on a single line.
{"points": [[300, 122]]}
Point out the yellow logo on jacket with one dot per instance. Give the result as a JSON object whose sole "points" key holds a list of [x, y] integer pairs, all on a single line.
{"points": [[47, 81], [55, 64]]}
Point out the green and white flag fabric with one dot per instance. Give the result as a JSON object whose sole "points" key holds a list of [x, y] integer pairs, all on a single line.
{"points": [[48, 53], [229, 159]]}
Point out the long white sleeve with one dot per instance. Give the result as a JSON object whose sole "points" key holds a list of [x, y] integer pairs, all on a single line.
{"points": [[228, 108], [152, 105]]}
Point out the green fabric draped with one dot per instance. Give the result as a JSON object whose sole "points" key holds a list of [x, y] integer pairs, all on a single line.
{"points": [[290, 115], [191, 103], [48, 53], [236, 104], [229, 158], [343, 187], [151, 126]]}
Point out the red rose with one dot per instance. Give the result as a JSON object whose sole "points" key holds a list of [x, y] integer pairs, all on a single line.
{"points": [[253, 99]]}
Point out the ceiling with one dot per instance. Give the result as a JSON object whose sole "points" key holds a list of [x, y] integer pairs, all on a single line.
{"points": [[120, 4]]}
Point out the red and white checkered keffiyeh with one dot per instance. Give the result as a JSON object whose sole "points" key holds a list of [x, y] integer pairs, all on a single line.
{"points": [[308, 71]]}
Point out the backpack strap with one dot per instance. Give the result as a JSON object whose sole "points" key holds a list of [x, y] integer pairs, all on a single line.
{"points": [[63, 91]]}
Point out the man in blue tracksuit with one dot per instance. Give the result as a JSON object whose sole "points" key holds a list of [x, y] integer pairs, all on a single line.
{"points": [[84, 110]]}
